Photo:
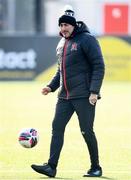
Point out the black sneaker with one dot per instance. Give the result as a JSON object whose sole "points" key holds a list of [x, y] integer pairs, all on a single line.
{"points": [[94, 172], [44, 169]]}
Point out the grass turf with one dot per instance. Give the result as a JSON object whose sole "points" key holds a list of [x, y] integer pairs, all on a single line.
{"points": [[22, 105]]}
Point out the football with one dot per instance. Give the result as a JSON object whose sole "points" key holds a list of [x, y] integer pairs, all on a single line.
{"points": [[28, 138]]}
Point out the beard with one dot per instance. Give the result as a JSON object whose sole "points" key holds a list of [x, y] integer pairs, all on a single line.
{"points": [[66, 34]]}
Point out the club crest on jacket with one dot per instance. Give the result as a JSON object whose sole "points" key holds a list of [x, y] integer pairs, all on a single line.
{"points": [[74, 47]]}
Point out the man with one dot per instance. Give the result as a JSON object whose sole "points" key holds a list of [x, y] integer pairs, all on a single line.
{"points": [[79, 79]]}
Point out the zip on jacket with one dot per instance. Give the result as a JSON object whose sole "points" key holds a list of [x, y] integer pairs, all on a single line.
{"points": [[64, 69]]}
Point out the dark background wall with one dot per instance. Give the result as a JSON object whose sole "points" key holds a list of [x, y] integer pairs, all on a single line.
{"points": [[27, 57], [24, 57]]}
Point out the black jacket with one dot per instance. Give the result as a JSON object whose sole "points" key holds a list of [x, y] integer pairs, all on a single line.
{"points": [[81, 68]]}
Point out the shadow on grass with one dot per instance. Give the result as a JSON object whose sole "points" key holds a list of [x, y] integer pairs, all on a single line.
{"points": [[108, 178], [56, 178], [102, 177]]}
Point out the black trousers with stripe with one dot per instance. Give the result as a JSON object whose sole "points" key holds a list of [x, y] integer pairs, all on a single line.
{"points": [[86, 113]]}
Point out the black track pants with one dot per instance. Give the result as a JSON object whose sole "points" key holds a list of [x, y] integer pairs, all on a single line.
{"points": [[85, 112]]}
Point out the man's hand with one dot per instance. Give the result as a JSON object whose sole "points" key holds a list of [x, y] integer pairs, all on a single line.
{"points": [[93, 99], [46, 90]]}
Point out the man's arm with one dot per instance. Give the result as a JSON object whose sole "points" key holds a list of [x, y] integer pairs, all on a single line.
{"points": [[53, 85], [94, 56]]}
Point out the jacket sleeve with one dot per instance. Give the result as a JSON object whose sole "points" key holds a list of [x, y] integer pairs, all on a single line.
{"points": [[55, 82], [93, 54]]}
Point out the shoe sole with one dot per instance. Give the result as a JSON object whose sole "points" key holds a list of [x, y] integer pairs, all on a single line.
{"points": [[42, 172], [88, 175]]}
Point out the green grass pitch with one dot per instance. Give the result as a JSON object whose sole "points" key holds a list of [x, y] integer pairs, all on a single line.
{"points": [[22, 106]]}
